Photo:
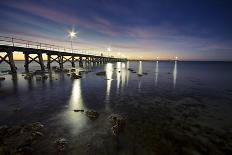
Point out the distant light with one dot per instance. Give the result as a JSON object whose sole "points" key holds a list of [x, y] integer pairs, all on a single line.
{"points": [[108, 49], [157, 57], [176, 58], [119, 53], [140, 57]]}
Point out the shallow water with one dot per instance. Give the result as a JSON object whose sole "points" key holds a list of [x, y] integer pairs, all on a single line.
{"points": [[177, 108]]}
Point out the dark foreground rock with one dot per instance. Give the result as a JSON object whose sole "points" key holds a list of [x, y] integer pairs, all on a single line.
{"points": [[2, 78], [102, 73]]}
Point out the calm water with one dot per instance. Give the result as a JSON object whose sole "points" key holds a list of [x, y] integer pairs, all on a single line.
{"points": [[177, 108]]}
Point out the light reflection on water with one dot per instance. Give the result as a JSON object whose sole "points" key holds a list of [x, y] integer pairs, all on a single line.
{"points": [[140, 68], [156, 72], [109, 74], [175, 74], [118, 76], [140, 71], [75, 120], [127, 72]]}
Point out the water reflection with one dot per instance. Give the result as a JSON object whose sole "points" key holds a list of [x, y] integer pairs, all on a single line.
{"points": [[76, 121], [118, 76], [109, 74], [140, 68], [156, 72], [123, 76], [140, 71], [175, 74], [127, 72]]}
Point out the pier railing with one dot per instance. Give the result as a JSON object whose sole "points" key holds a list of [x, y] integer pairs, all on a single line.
{"points": [[17, 42]]}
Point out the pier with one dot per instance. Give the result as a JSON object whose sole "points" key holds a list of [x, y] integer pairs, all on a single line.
{"points": [[33, 52]]}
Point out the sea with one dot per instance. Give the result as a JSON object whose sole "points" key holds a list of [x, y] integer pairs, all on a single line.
{"points": [[169, 107]]}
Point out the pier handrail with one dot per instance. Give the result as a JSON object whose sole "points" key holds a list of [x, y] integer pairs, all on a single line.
{"points": [[18, 42]]}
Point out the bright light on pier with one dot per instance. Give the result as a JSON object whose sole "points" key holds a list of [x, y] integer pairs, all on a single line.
{"points": [[72, 34], [109, 49]]}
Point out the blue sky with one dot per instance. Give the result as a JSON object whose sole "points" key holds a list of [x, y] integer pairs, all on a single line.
{"points": [[189, 29]]}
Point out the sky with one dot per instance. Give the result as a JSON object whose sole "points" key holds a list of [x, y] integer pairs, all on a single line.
{"points": [[137, 29]]}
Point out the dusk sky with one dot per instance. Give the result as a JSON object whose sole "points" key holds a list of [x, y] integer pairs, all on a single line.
{"points": [[189, 29]]}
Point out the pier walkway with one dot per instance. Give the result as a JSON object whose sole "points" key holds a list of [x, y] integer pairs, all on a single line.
{"points": [[33, 52]]}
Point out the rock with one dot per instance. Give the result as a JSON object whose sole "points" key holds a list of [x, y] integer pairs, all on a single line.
{"points": [[44, 77], [36, 134], [119, 71], [38, 78], [17, 109], [54, 67], [140, 75], [61, 143], [76, 110], [57, 70], [118, 123], [68, 74], [25, 150], [145, 73], [36, 126], [75, 76], [133, 71], [66, 70], [2, 78], [73, 70], [28, 76], [102, 73], [6, 71], [92, 114], [39, 72]]}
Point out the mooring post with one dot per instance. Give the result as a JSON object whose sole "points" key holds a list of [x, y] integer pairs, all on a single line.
{"points": [[26, 65], [11, 61], [49, 61], [41, 61]]}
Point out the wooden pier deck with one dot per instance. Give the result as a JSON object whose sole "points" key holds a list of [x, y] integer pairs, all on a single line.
{"points": [[33, 52]]}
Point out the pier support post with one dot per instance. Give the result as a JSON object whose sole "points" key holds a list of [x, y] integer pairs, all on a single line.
{"points": [[49, 61], [73, 61], [61, 61], [41, 61], [80, 62], [26, 65], [10, 61]]}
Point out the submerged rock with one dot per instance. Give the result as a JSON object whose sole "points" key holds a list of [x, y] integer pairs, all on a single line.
{"points": [[118, 123], [75, 76], [102, 73], [145, 73], [61, 144], [92, 114], [140, 75], [28, 76], [2, 78], [73, 70], [76, 110], [131, 69], [66, 70]]}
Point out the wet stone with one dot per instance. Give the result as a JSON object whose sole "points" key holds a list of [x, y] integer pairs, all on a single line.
{"points": [[61, 144], [2, 78], [92, 114], [75, 76], [77, 110], [102, 73]]}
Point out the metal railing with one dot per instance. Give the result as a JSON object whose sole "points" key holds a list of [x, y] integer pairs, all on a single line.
{"points": [[16, 42]]}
